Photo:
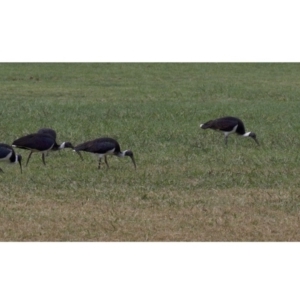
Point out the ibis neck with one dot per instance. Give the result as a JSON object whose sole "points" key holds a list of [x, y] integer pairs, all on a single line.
{"points": [[62, 146], [13, 158], [247, 134], [122, 154]]}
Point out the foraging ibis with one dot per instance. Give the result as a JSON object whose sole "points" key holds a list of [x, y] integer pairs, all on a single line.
{"points": [[104, 146], [8, 154], [52, 133], [229, 125], [56, 147], [39, 142]]}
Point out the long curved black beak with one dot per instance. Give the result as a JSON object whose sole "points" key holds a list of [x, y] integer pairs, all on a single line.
{"points": [[79, 154], [255, 139], [133, 160]]}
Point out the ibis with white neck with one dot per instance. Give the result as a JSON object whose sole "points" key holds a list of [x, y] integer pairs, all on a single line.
{"points": [[104, 146], [229, 125], [39, 142]]}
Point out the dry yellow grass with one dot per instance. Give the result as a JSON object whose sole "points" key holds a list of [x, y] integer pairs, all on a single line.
{"points": [[204, 215]]}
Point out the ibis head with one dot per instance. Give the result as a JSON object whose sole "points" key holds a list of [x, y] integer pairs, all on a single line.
{"points": [[130, 154]]}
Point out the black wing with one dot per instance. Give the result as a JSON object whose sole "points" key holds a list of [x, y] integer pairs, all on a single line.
{"points": [[5, 150], [100, 146], [35, 141], [227, 124], [48, 131]]}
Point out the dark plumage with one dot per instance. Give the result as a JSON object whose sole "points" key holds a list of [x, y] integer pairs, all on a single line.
{"points": [[8, 154], [229, 125], [52, 133], [104, 146], [48, 131], [37, 142]]}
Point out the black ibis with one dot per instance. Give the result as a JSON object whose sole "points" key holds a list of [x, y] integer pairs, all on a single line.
{"points": [[8, 154], [102, 147], [229, 125], [56, 147], [39, 142], [52, 133]]}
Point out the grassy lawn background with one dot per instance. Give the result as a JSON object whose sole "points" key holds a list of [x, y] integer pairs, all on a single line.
{"points": [[187, 187]]}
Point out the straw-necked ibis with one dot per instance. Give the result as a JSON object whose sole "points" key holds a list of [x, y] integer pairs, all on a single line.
{"points": [[229, 125], [102, 147], [39, 142]]}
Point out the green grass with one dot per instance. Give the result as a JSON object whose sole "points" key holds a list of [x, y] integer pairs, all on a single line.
{"points": [[188, 186]]}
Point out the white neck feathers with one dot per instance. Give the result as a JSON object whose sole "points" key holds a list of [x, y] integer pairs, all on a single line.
{"points": [[122, 154], [62, 146], [247, 133]]}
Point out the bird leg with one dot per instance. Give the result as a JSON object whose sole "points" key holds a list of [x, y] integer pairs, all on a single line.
{"points": [[28, 158], [99, 163], [226, 137], [43, 158], [105, 159], [79, 155], [1, 170]]}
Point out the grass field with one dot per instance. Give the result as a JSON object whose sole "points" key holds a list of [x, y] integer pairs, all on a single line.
{"points": [[187, 187]]}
